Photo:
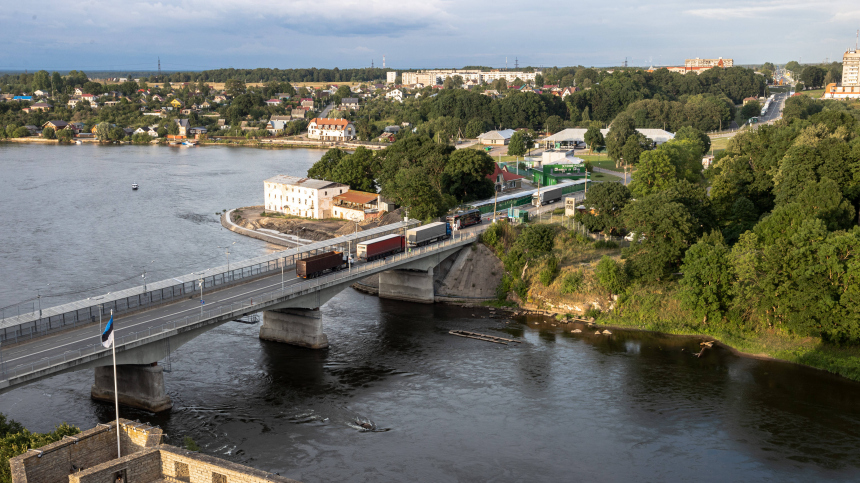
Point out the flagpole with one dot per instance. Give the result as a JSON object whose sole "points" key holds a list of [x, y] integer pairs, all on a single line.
{"points": [[115, 391]]}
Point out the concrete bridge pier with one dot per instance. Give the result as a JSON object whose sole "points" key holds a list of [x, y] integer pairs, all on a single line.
{"points": [[140, 386], [301, 327], [408, 285]]}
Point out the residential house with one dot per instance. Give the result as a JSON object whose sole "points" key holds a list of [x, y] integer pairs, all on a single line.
{"points": [[500, 138], [111, 103], [157, 98], [177, 103], [79, 91], [194, 131], [273, 102], [220, 99], [73, 102], [283, 95], [355, 206], [505, 180], [33, 130], [350, 103], [222, 124], [91, 98], [331, 129], [278, 123], [76, 127], [492, 93], [23, 98], [151, 130], [310, 198], [204, 105], [183, 126], [395, 95], [41, 106], [298, 113], [392, 129], [186, 112], [41, 93], [309, 103], [568, 91], [57, 125]]}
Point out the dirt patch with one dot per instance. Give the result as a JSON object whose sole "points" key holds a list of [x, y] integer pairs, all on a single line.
{"points": [[474, 275], [251, 217]]}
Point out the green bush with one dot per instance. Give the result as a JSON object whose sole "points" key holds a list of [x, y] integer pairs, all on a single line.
{"points": [[64, 135], [49, 133], [21, 132], [592, 312], [537, 239], [520, 287], [549, 272], [572, 282], [610, 275], [605, 245], [190, 444], [504, 287]]}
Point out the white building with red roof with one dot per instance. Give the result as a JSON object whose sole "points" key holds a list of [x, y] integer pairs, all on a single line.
{"points": [[505, 180], [331, 129]]}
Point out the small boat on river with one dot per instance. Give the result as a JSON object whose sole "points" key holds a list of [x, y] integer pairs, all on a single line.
{"points": [[134, 186]]}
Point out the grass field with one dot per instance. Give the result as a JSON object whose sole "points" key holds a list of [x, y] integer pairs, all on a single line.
{"points": [[719, 144], [814, 93]]}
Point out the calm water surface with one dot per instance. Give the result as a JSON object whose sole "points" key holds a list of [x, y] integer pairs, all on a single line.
{"points": [[559, 407]]}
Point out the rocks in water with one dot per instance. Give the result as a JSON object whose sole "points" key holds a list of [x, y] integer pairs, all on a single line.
{"points": [[606, 332], [707, 343], [597, 333], [576, 331]]}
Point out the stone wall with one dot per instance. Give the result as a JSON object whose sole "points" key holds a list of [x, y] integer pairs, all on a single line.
{"points": [[140, 467], [184, 465], [54, 463]]}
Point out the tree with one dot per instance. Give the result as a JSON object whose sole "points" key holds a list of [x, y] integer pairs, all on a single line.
{"points": [[234, 87], [793, 66], [519, 144], [356, 170], [656, 173], [465, 175], [604, 203], [610, 275], [751, 109], [64, 135], [49, 133], [539, 80], [798, 87], [41, 80], [21, 132], [706, 285], [634, 147], [622, 128], [692, 134], [813, 76], [593, 136], [474, 128], [116, 134], [102, 131], [16, 440], [553, 124]]}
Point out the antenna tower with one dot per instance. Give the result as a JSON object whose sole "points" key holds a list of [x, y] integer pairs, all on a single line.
{"points": [[506, 62], [371, 63], [856, 39], [516, 63], [625, 62], [383, 61], [159, 68]]}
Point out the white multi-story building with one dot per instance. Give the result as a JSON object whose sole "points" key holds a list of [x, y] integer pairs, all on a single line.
{"points": [[434, 77], [306, 197], [395, 95], [850, 88], [331, 129], [390, 77], [697, 63]]}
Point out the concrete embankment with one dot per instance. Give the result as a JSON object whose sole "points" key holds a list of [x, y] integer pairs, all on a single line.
{"points": [[227, 222]]}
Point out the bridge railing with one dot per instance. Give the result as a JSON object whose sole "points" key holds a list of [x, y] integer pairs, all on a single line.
{"points": [[234, 310], [43, 322]]}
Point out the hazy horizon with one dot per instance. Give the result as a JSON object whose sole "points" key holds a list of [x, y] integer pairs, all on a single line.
{"points": [[197, 35]]}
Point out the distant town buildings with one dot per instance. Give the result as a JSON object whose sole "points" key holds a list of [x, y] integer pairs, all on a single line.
{"points": [[499, 138], [850, 88], [698, 65], [306, 197], [436, 77], [390, 77]]}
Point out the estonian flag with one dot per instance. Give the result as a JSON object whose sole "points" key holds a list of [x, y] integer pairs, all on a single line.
{"points": [[107, 335]]}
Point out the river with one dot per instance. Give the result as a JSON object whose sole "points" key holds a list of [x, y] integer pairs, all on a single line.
{"points": [[558, 407]]}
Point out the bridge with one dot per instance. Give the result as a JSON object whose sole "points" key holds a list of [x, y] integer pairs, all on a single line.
{"points": [[154, 320]]}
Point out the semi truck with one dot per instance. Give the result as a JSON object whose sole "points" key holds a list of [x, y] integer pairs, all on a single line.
{"points": [[317, 265], [547, 195], [464, 218], [380, 247], [429, 233]]}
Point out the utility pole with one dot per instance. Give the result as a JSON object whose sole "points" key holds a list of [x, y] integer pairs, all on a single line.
{"points": [[159, 68]]}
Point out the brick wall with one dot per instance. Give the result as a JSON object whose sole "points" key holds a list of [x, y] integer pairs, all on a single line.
{"points": [[141, 467]]}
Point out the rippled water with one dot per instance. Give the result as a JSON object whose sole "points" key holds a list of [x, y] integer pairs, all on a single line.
{"points": [[558, 407]]}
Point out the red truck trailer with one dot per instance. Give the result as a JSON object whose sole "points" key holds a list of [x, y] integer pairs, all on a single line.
{"points": [[317, 265], [380, 247]]}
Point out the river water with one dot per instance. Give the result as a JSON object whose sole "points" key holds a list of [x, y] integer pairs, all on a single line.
{"points": [[558, 407]]}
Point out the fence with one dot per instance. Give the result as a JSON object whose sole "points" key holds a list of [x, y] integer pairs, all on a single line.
{"points": [[235, 310], [510, 201], [43, 322]]}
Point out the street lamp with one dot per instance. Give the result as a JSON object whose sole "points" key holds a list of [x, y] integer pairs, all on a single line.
{"points": [[39, 297], [227, 252], [144, 267], [200, 281]]}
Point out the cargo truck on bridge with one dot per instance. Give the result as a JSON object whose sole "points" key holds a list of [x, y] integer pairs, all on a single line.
{"points": [[380, 247], [317, 265], [547, 196], [429, 233]]}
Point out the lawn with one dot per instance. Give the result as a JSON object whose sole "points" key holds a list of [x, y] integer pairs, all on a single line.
{"points": [[719, 144], [814, 93]]}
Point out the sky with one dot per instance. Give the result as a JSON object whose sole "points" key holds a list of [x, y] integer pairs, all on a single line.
{"points": [[206, 34]]}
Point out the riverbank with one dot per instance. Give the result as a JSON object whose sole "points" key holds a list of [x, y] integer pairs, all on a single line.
{"points": [[247, 143]]}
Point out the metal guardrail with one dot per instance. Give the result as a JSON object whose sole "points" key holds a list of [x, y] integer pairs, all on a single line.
{"points": [[235, 310], [52, 319]]}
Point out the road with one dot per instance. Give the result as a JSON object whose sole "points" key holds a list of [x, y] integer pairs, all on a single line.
{"points": [[325, 111]]}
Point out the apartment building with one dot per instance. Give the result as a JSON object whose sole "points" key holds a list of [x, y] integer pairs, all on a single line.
{"points": [[310, 198], [435, 77]]}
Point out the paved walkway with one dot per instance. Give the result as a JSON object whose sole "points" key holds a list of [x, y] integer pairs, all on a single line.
{"points": [[270, 236]]}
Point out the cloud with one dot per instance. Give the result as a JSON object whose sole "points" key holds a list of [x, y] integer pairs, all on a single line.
{"points": [[770, 10]]}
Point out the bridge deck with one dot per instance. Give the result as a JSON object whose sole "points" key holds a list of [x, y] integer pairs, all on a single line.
{"points": [[56, 352]]}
